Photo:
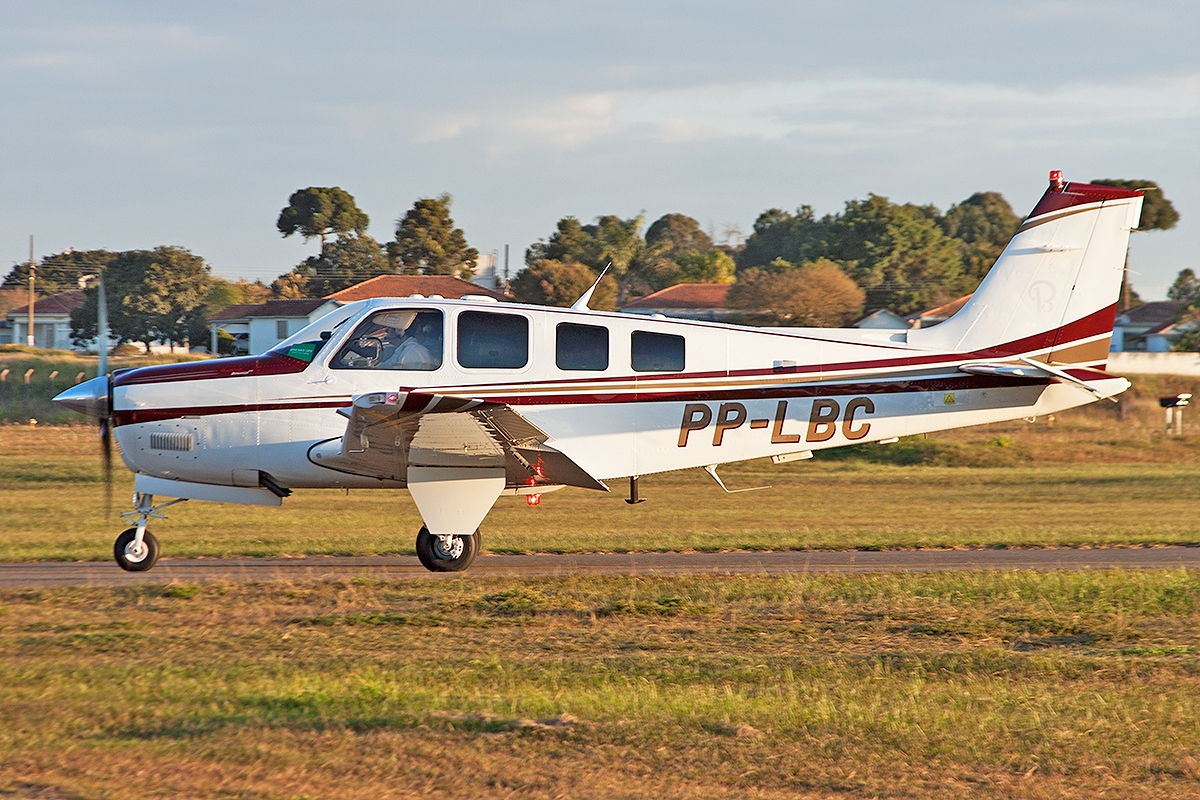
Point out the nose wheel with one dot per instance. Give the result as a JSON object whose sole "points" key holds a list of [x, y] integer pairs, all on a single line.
{"points": [[446, 553], [135, 556], [136, 549]]}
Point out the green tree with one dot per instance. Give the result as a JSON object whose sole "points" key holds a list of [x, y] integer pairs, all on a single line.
{"points": [[984, 223], [680, 233], [321, 211], [815, 294], [571, 241], [898, 254], [715, 266], [1158, 214], [221, 295], [1186, 287], [60, 271], [794, 237], [428, 243], [153, 295], [552, 283], [352, 259], [290, 286]]}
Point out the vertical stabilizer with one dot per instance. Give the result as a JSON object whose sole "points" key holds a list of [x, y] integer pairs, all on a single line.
{"points": [[1052, 294]]}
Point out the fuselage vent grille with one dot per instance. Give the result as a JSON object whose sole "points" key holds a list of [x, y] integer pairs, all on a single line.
{"points": [[172, 440]]}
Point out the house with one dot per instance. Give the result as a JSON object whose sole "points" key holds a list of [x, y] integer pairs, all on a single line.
{"points": [[257, 328], [10, 299], [882, 319], [700, 301], [51, 320], [932, 316], [1148, 327], [409, 285]]}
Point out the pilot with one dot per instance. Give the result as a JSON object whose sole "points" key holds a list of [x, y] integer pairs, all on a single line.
{"points": [[407, 352]]}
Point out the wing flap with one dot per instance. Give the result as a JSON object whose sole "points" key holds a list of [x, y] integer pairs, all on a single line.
{"points": [[388, 432]]}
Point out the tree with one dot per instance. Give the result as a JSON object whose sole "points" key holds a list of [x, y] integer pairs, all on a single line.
{"points": [[221, 295], [60, 271], [715, 266], [352, 259], [1186, 287], [320, 211], [552, 283], [427, 241], [153, 295], [571, 241], [290, 286], [680, 233], [984, 223], [815, 294], [777, 234], [1158, 214], [896, 253]]}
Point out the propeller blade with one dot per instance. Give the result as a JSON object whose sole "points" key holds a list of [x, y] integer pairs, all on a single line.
{"points": [[106, 448]]}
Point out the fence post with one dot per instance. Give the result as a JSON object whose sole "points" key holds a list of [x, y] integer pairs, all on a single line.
{"points": [[28, 389], [4, 384], [79, 378], [53, 375]]}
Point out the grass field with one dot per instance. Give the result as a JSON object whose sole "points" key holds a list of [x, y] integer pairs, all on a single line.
{"points": [[947, 685], [1100, 476]]}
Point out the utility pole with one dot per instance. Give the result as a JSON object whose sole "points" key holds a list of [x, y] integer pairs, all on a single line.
{"points": [[506, 268], [32, 273]]}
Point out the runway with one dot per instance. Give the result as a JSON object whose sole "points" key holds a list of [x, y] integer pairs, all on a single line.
{"points": [[392, 568]]}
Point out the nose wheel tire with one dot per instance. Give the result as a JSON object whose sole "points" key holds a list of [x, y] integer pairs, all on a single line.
{"points": [[446, 553], [135, 560]]}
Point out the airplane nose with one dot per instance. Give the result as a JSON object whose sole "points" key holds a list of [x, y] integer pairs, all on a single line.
{"points": [[89, 397]]}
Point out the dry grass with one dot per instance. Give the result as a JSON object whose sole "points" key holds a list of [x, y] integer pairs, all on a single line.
{"points": [[1091, 479], [957, 685]]}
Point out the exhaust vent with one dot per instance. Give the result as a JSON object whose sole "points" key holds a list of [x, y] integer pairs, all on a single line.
{"points": [[180, 442]]}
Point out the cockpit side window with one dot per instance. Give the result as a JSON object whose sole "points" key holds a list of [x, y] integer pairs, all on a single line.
{"points": [[492, 341], [398, 339], [582, 347], [657, 352]]}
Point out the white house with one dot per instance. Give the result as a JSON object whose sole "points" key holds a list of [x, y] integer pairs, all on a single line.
{"points": [[51, 320]]}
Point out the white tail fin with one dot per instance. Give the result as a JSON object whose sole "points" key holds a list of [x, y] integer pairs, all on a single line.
{"points": [[1052, 294]]}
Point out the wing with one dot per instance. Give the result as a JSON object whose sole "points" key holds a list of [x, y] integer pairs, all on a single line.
{"points": [[389, 432]]}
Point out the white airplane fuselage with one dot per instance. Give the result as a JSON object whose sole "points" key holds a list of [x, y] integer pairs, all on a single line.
{"points": [[462, 400], [743, 393]]}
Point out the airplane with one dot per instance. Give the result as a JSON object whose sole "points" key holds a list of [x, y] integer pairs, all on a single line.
{"points": [[462, 401]]}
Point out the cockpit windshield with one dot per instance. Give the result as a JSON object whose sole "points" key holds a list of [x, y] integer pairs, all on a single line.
{"points": [[308, 341]]}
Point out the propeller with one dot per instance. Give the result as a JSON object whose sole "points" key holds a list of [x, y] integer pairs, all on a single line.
{"points": [[94, 397]]}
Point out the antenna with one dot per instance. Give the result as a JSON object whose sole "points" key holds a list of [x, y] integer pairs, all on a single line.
{"points": [[582, 303]]}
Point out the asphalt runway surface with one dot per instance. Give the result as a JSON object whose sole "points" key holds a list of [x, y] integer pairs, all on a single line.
{"points": [[316, 568]]}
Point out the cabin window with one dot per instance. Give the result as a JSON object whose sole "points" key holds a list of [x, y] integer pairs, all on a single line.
{"points": [[492, 341], [581, 346], [400, 339], [656, 352]]}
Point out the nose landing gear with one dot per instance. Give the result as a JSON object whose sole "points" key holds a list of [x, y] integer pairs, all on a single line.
{"points": [[136, 549], [446, 553]]}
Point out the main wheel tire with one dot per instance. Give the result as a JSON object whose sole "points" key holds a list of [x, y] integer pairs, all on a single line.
{"points": [[128, 559], [436, 557]]}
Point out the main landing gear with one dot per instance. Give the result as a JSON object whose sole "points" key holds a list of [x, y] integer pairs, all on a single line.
{"points": [[136, 549], [446, 553]]}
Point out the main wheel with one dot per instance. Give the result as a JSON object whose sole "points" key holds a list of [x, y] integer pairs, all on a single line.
{"points": [[446, 554], [135, 560]]}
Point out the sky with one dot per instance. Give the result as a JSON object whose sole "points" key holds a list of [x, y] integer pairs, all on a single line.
{"points": [[133, 124]]}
